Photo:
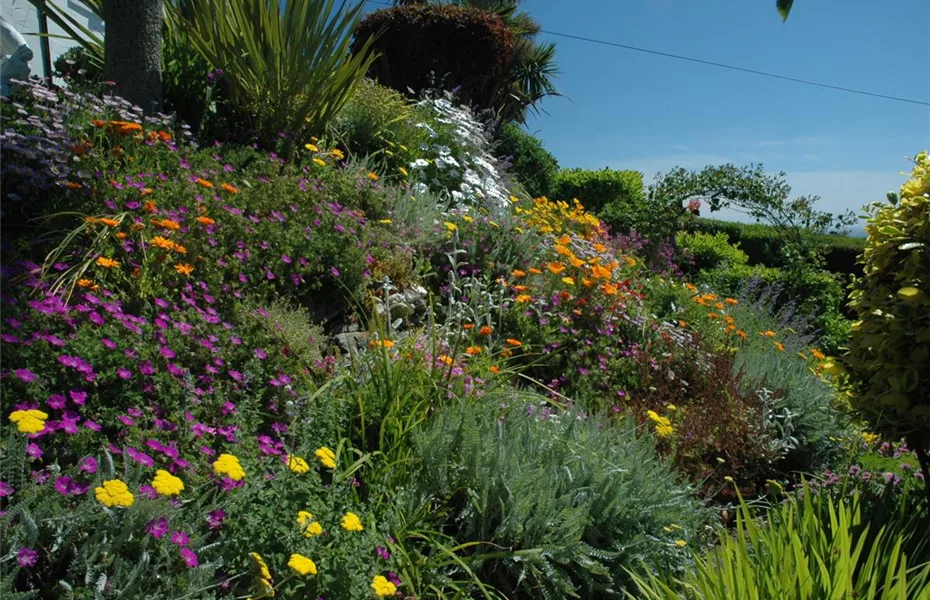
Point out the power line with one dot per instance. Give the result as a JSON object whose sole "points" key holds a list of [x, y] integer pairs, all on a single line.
{"points": [[719, 65], [734, 68]]}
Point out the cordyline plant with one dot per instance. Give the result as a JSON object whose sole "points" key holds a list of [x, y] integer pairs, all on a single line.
{"points": [[287, 66]]}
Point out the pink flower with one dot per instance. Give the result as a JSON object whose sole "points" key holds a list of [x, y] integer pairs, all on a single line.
{"points": [[27, 557], [180, 538], [27, 376], [5, 489], [215, 519], [157, 528], [190, 557]]}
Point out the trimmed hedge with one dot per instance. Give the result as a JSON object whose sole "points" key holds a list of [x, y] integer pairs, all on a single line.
{"points": [[617, 197], [708, 251], [759, 242], [533, 166], [438, 46]]}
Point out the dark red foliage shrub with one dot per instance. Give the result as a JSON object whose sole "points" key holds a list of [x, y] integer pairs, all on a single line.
{"points": [[718, 427], [429, 46]]}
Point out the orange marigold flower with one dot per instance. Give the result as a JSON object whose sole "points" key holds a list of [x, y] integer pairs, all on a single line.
{"points": [[556, 267], [146, 192], [630, 261], [818, 354], [164, 136], [121, 235], [229, 188], [150, 207], [587, 282], [682, 323], [205, 221], [769, 333], [691, 287], [577, 262], [609, 289], [167, 224], [518, 273], [565, 239], [485, 330], [179, 248], [124, 128], [473, 350], [519, 288], [109, 222], [203, 182], [373, 176], [107, 263], [98, 123], [137, 272], [564, 251], [506, 352], [514, 342], [731, 301], [523, 298], [565, 295], [600, 247], [468, 326], [184, 269], [780, 346], [446, 360], [719, 306], [713, 316], [381, 344], [71, 185], [494, 370], [163, 243], [741, 333], [85, 283], [599, 272], [534, 271]]}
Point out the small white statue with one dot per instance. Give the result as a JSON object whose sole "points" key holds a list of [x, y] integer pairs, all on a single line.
{"points": [[15, 55]]}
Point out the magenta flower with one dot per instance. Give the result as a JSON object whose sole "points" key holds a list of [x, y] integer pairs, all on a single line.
{"points": [[5, 489], [124, 373], [26, 376], [190, 557], [56, 401], [383, 553], [88, 465], [148, 491], [180, 538], [78, 397], [63, 485], [157, 528], [27, 557], [215, 519], [33, 450], [92, 425]]}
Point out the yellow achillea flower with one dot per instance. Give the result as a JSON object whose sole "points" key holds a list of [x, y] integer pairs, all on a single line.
{"points": [[167, 484], [227, 464], [568, 281], [383, 587], [450, 226], [311, 147], [29, 421], [114, 493], [302, 565], [260, 566], [297, 464], [107, 263], [337, 154], [320, 162], [184, 269], [662, 425], [351, 522], [326, 457], [308, 526], [385, 221]]}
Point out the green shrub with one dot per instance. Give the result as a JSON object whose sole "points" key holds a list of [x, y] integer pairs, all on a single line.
{"points": [[890, 345], [446, 47], [533, 166], [761, 243], [709, 251], [810, 548], [78, 67], [383, 125], [615, 196], [556, 503]]}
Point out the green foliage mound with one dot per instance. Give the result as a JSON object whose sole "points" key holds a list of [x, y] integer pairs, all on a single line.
{"points": [[615, 196], [534, 166], [889, 351], [709, 251], [575, 501]]}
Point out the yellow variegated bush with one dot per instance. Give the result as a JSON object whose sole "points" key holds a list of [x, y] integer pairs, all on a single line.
{"points": [[888, 361]]}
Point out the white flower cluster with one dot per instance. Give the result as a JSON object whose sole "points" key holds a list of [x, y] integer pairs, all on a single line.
{"points": [[460, 165]]}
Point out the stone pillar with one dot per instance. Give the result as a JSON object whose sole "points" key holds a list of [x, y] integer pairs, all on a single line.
{"points": [[15, 55]]}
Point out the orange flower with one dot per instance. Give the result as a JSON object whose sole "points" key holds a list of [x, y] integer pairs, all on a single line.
{"points": [[565, 295], [179, 248], [485, 330], [124, 128], [523, 299], [446, 360], [519, 288], [203, 182], [184, 269], [137, 272], [731, 301], [229, 188], [780, 346], [136, 227], [109, 222], [713, 316], [150, 207], [560, 249], [514, 342], [98, 123], [473, 350], [587, 282], [167, 224], [818, 354], [205, 221], [85, 283], [518, 273], [373, 176], [630, 261], [163, 243], [600, 247], [495, 370], [468, 326], [72, 185], [691, 288], [682, 323], [556, 267], [121, 235], [769, 333], [730, 329], [80, 148], [609, 289], [565, 240], [741, 333], [146, 192], [577, 262], [534, 271], [719, 306], [164, 136], [381, 344], [107, 263], [599, 272], [91, 220], [506, 352]]}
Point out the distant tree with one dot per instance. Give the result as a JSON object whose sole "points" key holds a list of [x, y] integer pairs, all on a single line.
{"points": [[784, 8]]}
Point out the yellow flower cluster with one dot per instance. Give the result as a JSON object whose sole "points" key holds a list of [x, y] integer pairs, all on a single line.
{"points": [[383, 587], [29, 421], [114, 493], [555, 217], [265, 586], [302, 565], [297, 464], [662, 424], [167, 484], [351, 522], [326, 457], [227, 464], [308, 526]]}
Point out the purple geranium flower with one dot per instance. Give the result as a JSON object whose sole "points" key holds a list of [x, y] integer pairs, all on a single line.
{"points": [[190, 557], [158, 527], [25, 375], [27, 557]]}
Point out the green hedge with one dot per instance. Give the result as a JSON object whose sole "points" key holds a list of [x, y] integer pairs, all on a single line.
{"points": [[438, 46], [617, 197], [531, 163], [708, 251], [760, 243]]}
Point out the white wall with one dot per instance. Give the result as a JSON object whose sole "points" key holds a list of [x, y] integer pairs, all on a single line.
{"points": [[22, 15]]}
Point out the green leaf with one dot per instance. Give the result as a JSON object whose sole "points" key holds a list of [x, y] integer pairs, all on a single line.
{"points": [[784, 7]]}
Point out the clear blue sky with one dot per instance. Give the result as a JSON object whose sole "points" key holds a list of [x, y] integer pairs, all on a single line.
{"points": [[629, 110]]}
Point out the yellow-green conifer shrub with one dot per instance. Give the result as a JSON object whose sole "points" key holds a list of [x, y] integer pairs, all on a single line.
{"points": [[888, 362]]}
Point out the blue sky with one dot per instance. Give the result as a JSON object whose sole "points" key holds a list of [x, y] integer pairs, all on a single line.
{"points": [[629, 110]]}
